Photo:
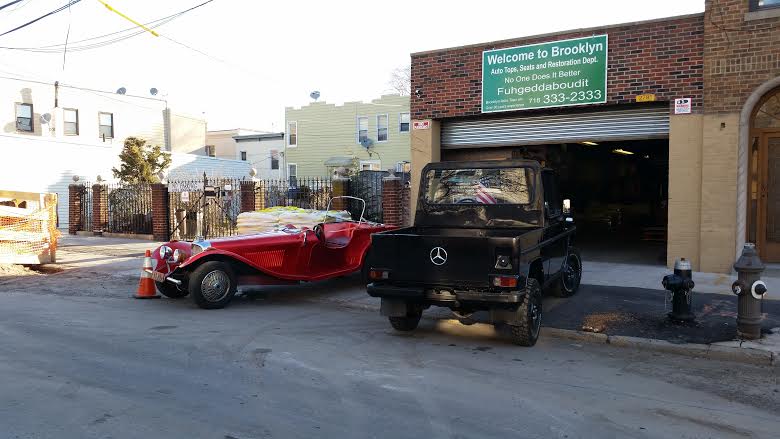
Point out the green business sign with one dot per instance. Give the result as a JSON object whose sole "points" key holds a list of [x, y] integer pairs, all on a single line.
{"points": [[557, 74]]}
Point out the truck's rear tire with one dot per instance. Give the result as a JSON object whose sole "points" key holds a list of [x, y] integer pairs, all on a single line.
{"points": [[170, 290], [569, 280], [524, 331], [408, 322], [212, 285]]}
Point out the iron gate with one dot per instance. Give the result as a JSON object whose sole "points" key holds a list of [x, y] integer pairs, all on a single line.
{"points": [[208, 207]]}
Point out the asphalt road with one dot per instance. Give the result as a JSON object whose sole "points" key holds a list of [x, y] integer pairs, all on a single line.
{"points": [[92, 367]]}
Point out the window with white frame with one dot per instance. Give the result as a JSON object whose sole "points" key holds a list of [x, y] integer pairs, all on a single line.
{"points": [[292, 174], [292, 134], [403, 167], [404, 122], [106, 130], [71, 119], [381, 128], [243, 155], [274, 159], [24, 117], [362, 129], [370, 165]]}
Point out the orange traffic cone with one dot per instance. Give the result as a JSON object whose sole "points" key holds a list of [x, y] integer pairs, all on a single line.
{"points": [[146, 288]]}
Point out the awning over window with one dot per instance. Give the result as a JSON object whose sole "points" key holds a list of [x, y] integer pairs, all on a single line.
{"points": [[339, 161]]}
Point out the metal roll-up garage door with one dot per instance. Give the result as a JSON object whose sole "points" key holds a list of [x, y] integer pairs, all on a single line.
{"points": [[640, 123]]}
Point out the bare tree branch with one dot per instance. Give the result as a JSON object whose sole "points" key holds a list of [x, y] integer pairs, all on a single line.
{"points": [[401, 80]]}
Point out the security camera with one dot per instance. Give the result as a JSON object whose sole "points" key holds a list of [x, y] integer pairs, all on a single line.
{"points": [[417, 92]]}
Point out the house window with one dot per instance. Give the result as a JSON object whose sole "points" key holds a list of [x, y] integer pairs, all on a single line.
{"points": [[362, 129], [24, 114], [243, 155], [211, 151], [274, 159], [403, 167], [106, 125], [756, 5], [381, 128], [71, 118], [292, 173], [292, 134], [403, 122], [370, 165]]}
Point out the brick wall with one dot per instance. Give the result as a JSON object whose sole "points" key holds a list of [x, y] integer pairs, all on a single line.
{"points": [[663, 57], [392, 207], [161, 225], [740, 54], [248, 196], [75, 203]]}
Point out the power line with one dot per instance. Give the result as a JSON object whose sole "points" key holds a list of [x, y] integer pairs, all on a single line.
{"points": [[9, 4], [75, 47], [60, 9]]}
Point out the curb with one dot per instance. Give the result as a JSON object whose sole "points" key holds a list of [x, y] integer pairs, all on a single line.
{"points": [[697, 350]]}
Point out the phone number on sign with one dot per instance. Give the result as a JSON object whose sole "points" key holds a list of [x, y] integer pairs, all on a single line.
{"points": [[574, 96]]}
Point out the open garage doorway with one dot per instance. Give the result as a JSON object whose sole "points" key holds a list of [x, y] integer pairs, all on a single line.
{"points": [[618, 192], [619, 197]]}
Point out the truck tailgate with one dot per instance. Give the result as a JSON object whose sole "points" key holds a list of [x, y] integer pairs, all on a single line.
{"points": [[447, 260]]}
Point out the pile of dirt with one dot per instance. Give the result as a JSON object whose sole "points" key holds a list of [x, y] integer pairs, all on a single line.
{"points": [[602, 321], [7, 270], [16, 270]]}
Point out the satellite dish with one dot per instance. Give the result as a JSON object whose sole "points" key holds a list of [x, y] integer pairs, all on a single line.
{"points": [[315, 94], [45, 118], [367, 143], [121, 91], [153, 91]]}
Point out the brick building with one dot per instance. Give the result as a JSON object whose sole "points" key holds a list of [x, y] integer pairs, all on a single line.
{"points": [[665, 133]]}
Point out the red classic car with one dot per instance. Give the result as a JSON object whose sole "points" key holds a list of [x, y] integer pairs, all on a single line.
{"points": [[210, 271]]}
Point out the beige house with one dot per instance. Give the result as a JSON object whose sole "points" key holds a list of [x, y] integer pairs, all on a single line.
{"points": [[322, 137], [261, 149]]}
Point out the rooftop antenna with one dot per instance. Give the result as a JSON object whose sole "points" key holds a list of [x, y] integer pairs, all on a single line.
{"points": [[121, 91], [315, 95]]}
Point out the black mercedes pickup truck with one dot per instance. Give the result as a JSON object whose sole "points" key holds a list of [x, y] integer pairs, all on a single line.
{"points": [[487, 236]]}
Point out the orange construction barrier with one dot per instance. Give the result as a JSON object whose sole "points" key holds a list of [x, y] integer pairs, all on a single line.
{"points": [[146, 288]]}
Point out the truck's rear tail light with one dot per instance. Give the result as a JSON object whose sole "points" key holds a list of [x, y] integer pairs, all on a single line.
{"points": [[504, 281], [379, 274]]}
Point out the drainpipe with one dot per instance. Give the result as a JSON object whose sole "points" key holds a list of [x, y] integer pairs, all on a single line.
{"points": [[56, 94]]}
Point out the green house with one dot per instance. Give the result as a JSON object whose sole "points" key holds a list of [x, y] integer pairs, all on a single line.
{"points": [[323, 138]]}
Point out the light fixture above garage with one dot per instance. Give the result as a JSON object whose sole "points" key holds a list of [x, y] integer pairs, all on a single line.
{"points": [[589, 143], [622, 151]]}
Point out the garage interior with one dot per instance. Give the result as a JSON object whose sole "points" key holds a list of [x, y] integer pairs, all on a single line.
{"points": [[618, 192]]}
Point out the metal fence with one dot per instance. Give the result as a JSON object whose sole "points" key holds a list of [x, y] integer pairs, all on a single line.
{"points": [[368, 186], [306, 193], [214, 202], [129, 208], [85, 214], [210, 206]]}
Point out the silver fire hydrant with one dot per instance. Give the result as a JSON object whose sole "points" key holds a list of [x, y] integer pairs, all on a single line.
{"points": [[750, 289]]}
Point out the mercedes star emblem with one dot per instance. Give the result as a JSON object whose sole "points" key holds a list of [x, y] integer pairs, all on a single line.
{"points": [[438, 256]]}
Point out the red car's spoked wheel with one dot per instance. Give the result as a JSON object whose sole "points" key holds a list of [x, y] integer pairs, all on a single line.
{"points": [[215, 286]]}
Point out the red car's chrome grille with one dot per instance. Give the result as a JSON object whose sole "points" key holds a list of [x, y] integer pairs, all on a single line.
{"points": [[267, 259]]}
